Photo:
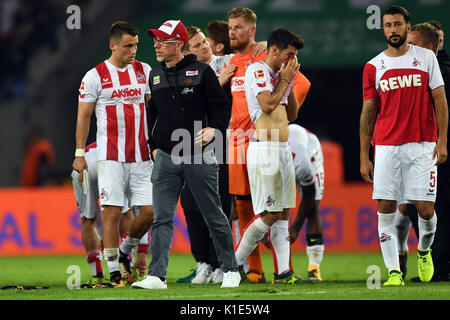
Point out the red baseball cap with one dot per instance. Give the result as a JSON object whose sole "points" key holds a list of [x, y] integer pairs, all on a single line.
{"points": [[171, 29]]}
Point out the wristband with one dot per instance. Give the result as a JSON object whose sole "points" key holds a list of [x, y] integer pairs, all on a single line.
{"points": [[79, 152]]}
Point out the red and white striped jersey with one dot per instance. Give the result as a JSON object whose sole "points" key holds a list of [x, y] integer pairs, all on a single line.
{"points": [[403, 85], [120, 110]]}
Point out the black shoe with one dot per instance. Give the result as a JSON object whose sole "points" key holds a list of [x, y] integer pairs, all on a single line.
{"points": [[125, 269], [116, 279], [437, 277], [403, 258]]}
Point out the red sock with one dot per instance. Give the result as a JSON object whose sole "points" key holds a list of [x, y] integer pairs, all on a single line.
{"points": [[94, 258]]}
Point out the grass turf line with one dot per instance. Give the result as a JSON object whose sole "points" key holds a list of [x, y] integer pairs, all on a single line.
{"points": [[345, 277]]}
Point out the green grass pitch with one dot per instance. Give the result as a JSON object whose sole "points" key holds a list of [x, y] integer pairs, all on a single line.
{"points": [[345, 278]]}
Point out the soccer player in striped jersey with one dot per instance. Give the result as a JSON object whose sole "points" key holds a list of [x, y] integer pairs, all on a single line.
{"points": [[117, 90]]}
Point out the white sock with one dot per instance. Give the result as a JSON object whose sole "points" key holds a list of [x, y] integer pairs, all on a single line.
{"points": [[279, 240], [237, 234], [402, 225], [315, 254], [253, 233], [128, 243], [388, 240], [112, 258], [427, 229]]}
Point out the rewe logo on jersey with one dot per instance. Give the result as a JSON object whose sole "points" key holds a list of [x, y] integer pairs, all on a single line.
{"points": [[397, 82], [126, 93]]}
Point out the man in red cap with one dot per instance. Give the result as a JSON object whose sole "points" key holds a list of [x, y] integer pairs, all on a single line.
{"points": [[187, 111]]}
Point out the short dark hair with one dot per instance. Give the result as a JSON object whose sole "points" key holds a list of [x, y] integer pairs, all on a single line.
{"points": [[428, 33], [282, 38], [397, 10], [119, 28], [218, 31]]}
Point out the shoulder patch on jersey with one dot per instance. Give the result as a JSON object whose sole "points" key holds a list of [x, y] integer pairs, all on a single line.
{"points": [[260, 78], [83, 90], [156, 79]]}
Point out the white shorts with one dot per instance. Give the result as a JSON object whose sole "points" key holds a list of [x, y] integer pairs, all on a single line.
{"points": [[87, 204], [271, 175], [405, 173], [119, 180]]}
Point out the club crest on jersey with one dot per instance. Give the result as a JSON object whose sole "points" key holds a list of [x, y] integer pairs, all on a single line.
{"points": [[260, 78], [156, 80], [416, 62], [191, 73], [140, 77]]}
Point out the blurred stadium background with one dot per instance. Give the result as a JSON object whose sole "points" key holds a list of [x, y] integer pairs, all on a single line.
{"points": [[42, 62]]}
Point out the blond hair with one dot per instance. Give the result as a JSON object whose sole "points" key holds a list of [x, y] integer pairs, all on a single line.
{"points": [[247, 13]]}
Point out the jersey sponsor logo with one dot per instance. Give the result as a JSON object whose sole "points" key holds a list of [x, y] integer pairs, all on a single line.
{"points": [[127, 94], [191, 73], [260, 78], [156, 80], [238, 84], [398, 82]]}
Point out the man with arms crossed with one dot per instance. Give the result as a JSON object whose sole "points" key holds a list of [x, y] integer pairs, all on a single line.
{"points": [[410, 139], [272, 104], [117, 89]]}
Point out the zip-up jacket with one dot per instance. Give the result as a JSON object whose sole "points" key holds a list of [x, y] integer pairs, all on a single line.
{"points": [[188, 91]]}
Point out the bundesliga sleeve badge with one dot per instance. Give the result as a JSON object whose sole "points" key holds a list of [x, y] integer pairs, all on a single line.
{"points": [[82, 90], [260, 79]]}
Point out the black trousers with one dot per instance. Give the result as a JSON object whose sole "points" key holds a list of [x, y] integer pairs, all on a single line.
{"points": [[441, 244], [202, 247]]}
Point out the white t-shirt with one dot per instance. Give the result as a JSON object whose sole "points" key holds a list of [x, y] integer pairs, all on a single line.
{"points": [[259, 77], [302, 147], [120, 110], [218, 62]]}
